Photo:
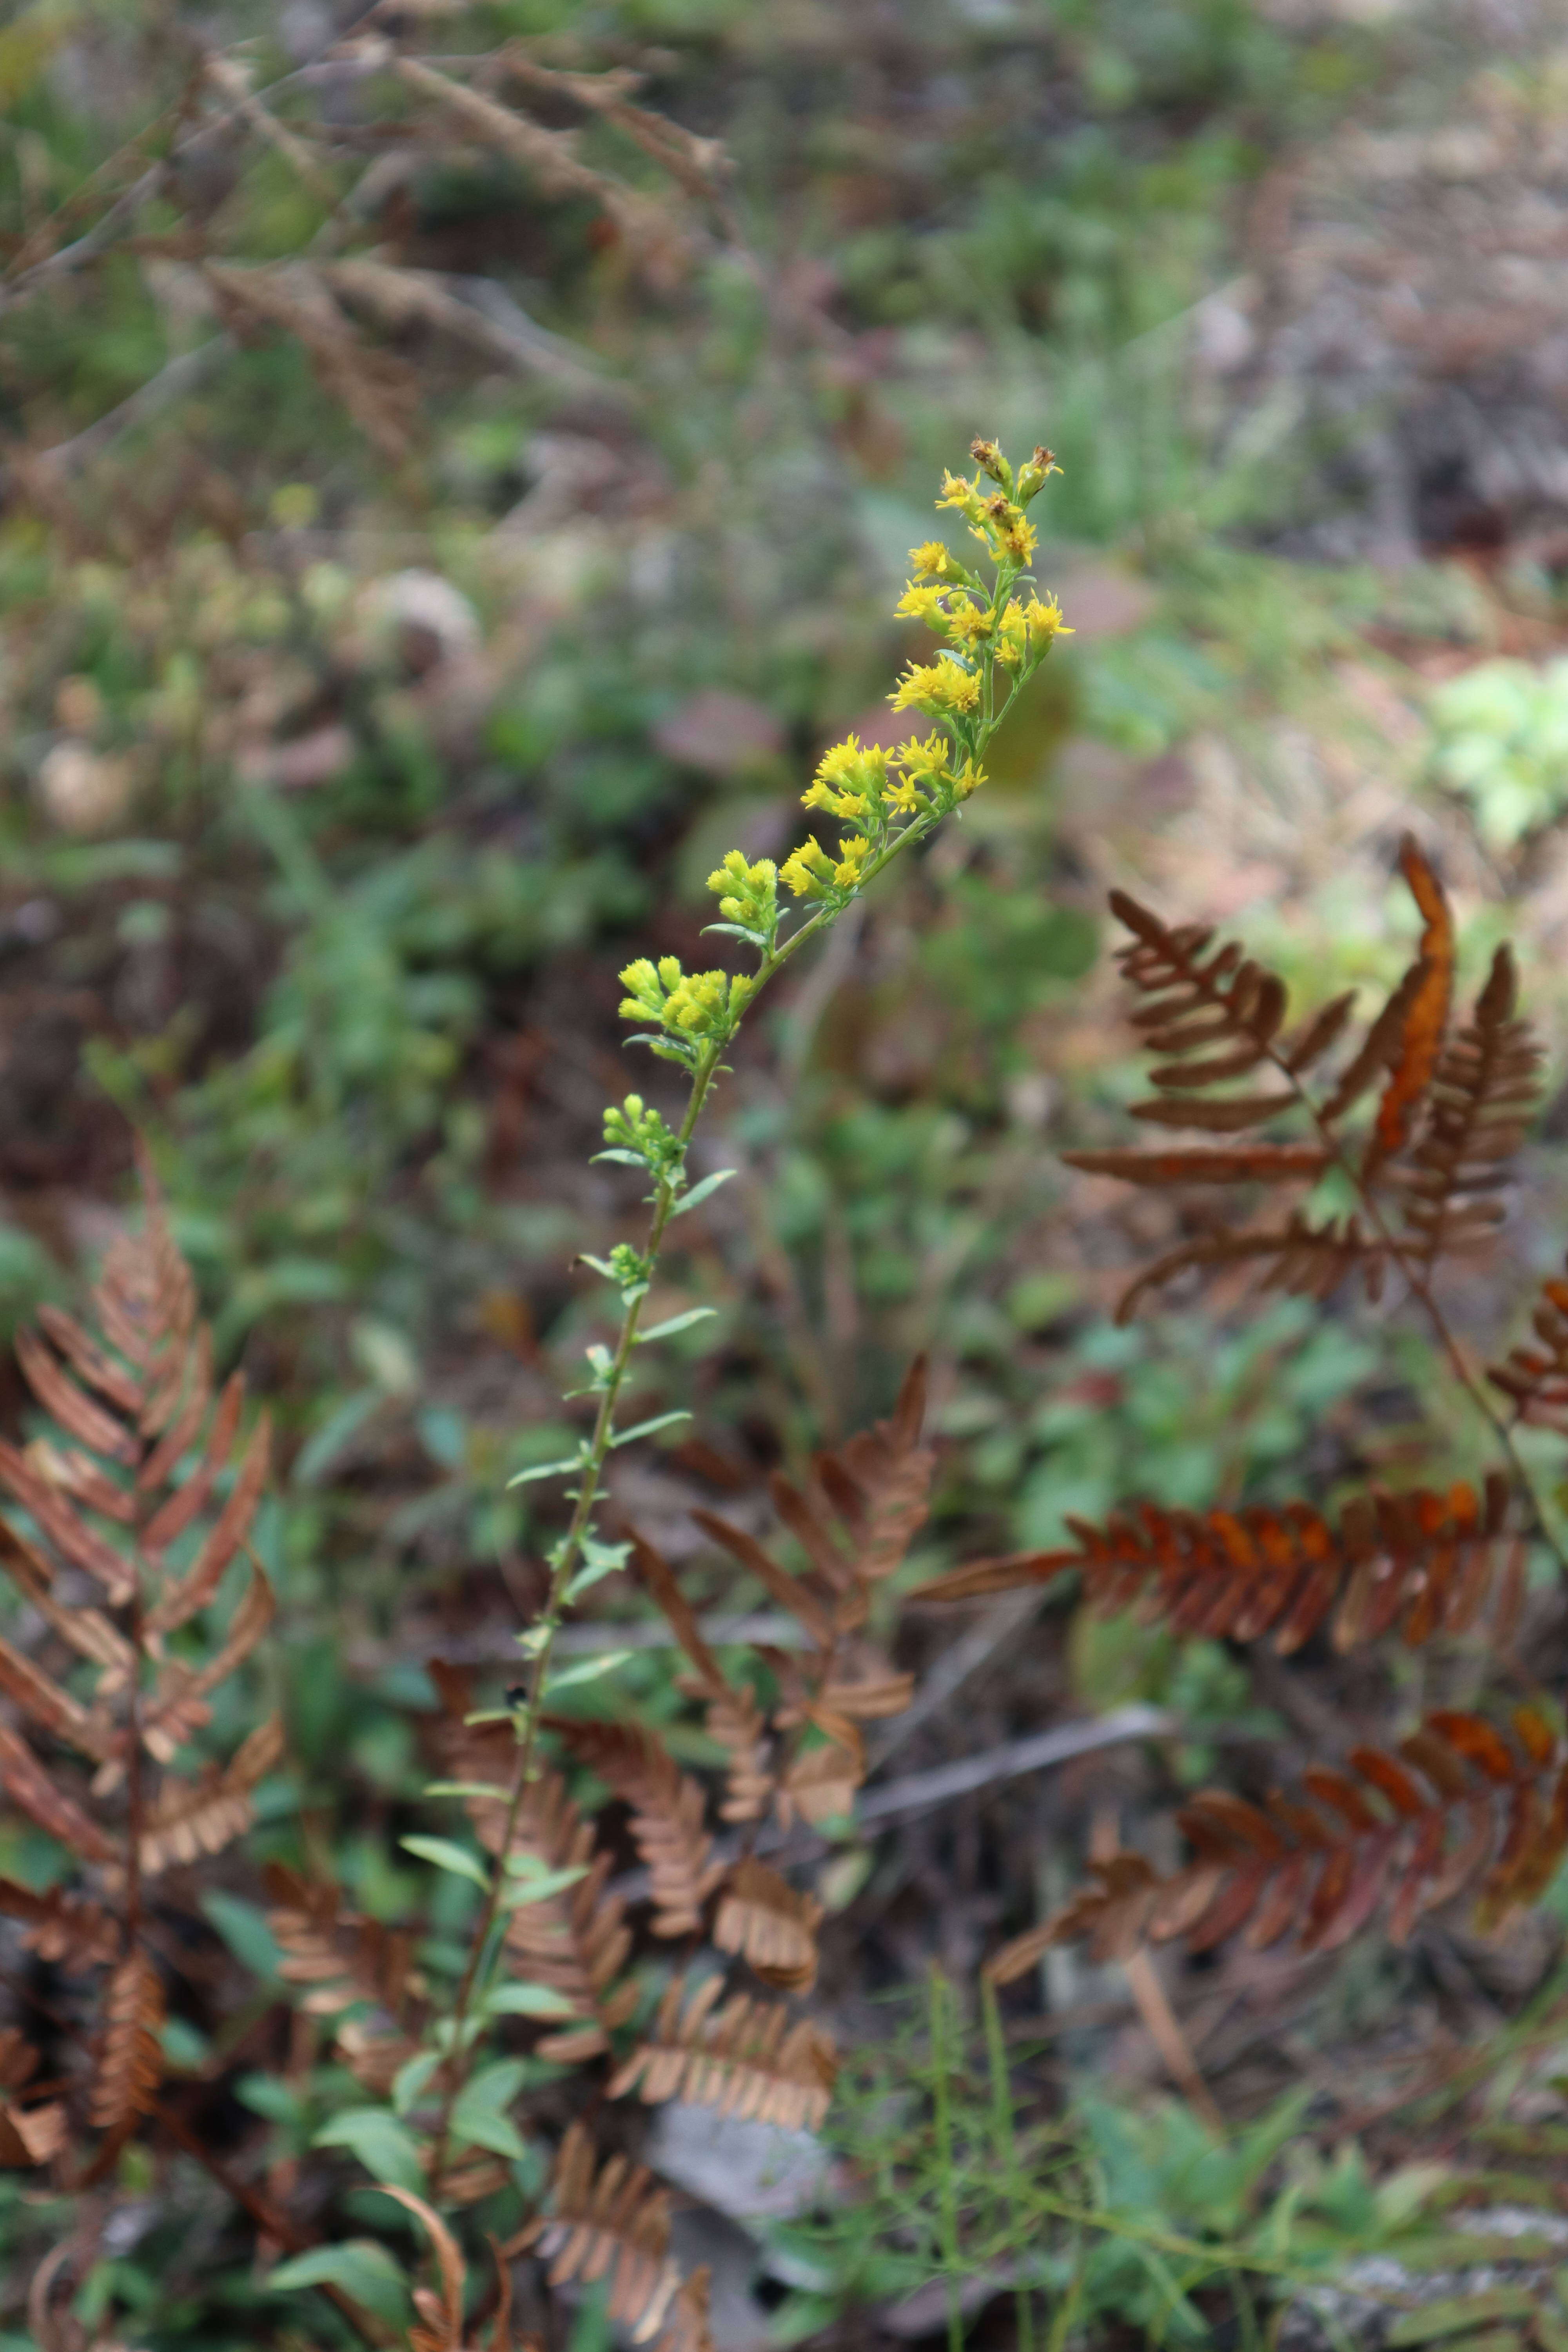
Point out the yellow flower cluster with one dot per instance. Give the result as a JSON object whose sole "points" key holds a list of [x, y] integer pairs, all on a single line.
{"points": [[851, 781], [939, 688], [691, 1004], [872, 790], [812, 873]]}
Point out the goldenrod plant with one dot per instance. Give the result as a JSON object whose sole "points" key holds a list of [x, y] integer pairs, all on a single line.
{"points": [[466, 2073]]}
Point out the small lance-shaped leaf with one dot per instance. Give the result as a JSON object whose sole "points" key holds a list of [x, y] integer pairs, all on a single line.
{"points": [[774, 1927], [609, 2223], [1429, 1561], [1457, 1804], [746, 2059], [668, 1815]]}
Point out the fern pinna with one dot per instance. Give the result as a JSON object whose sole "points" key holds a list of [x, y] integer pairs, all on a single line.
{"points": [[1416, 1119], [131, 1510]]}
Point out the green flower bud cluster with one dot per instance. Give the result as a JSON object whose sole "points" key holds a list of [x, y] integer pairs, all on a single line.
{"points": [[637, 1134], [748, 899]]}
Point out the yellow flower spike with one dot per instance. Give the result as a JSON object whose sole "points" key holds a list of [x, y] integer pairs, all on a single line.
{"points": [[931, 560], [936, 688], [670, 971], [904, 797]]}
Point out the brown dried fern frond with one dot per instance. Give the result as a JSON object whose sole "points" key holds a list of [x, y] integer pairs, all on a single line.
{"points": [[1536, 1378], [1217, 1022], [130, 2062], [344, 1958], [1431, 1563], [31, 2135], [746, 2058], [668, 1816], [1457, 1804], [770, 1925], [1485, 1092], [611, 2222]]}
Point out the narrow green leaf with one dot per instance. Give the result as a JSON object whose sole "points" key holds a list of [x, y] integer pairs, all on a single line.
{"points": [[411, 2078], [674, 1323], [699, 1193], [561, 1469], [526, 2001], [537, 1890], [244, 1929], [648, 1428], [466, 1789], [386, 2148], [447, 1856], [479, 2117], [586, 1669], [359, 2266]]}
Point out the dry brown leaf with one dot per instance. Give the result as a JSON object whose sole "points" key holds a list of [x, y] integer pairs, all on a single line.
{"points": [[771, 1926]]}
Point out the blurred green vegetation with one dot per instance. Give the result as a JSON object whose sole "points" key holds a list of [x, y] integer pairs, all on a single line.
{"points": [[337, 781]]}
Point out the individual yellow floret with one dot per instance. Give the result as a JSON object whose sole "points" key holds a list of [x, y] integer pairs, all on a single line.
{"points": [[931, 561], [808, 870], [921, 604], [1046, 623], [1012, 636], [967, 622], [964, 495], [1033, 475], [852, 856], [936, 688]]}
